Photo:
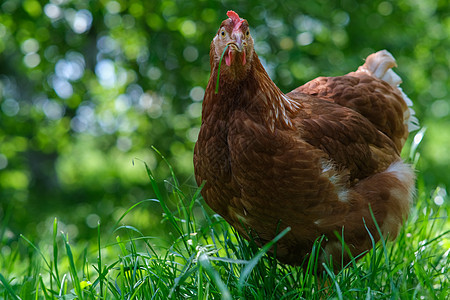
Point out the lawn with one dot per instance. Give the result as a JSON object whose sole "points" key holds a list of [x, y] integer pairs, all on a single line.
{"points": [[202, 257]]}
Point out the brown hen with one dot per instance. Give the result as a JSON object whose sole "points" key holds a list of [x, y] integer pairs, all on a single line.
{"points": [[317, 159]]}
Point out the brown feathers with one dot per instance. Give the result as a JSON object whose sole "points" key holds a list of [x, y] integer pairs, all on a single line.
{"points": [[316, 159]]}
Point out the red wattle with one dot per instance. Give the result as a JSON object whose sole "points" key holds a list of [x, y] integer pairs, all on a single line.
{"points": [[244, 60], [228, 57]]}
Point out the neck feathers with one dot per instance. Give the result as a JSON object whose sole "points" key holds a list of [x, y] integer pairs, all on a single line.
{"points": [[278, 108], [255, 93]]}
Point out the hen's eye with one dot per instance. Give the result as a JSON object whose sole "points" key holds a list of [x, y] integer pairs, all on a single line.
{"points": [[247, 33], [222, 33]]}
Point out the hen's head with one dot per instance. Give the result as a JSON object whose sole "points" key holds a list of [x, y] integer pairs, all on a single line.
{"points": [[235, 34]]}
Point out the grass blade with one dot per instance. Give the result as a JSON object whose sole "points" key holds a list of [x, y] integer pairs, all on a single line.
{"points": [[254, 261], [44, 289], [214, 275], [42, 256], [333, 277], [172, 173], [218, 70], [55, 251], [99, 260], [8, 287], [131, 208], [72, 269], [386, 256]]}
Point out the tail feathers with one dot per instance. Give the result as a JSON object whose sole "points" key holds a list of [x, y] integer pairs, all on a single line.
{"points": [[409, 115], [380, 65]]}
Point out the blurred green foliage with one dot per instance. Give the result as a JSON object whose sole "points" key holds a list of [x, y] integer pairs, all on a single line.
{"points": [[86, 87]]}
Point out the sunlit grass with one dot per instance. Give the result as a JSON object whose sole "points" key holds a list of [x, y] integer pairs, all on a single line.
{"points": [[207, 259]]}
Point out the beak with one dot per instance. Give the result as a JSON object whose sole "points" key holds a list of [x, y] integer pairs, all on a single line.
{"points": [[238, 43]]}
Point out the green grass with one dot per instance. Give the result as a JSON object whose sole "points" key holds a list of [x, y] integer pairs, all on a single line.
{"points": [[207, 259]]}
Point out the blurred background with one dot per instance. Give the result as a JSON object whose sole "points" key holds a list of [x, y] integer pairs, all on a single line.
{"points": [[87, 87]]}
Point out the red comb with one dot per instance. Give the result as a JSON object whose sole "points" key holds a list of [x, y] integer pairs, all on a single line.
{"points": [[235, 18]]}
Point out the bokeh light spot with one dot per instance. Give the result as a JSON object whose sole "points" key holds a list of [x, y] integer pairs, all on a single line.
{"points": [[188, 28], [52, 11], [154, 73], [440, 108], [113, 7], [32, 60], [82, 21], [30, 46], [92, 220], [197, 93], [53, 110], [385, 8], [10, 107], [190, 53], [124, 143], [305, 38], [106, 73], [62, 87], [3, 161]]}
